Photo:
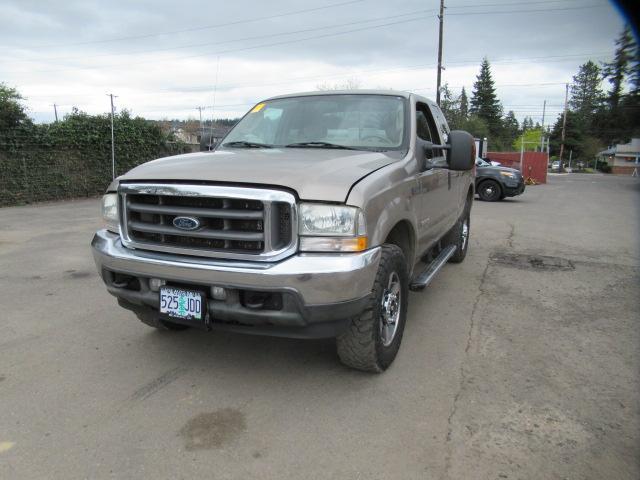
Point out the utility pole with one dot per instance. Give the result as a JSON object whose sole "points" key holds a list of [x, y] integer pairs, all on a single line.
{"points": [[564, 124], [201, 130], [570, 155], [522, 154], [55, 111], [544, 108], [441, 17], [200, 113], [113, 144]]}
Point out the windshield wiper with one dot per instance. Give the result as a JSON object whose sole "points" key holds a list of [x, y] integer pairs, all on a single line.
{"points": [[319, 145], [244, 144]]}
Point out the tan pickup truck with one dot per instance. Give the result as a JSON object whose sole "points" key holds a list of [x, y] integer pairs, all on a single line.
{"points": [[307, 220]]}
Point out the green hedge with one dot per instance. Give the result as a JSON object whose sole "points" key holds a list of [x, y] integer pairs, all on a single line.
{"points": [[72, 158]]}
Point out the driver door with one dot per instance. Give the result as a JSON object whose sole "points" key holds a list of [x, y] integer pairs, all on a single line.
{"points": [[432, 183]]}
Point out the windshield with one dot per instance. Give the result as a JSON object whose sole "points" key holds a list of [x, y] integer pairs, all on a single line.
{"points": [[364, 122]]}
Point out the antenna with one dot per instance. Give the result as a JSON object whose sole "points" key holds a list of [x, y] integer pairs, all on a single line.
{"points": [[213, 107]]}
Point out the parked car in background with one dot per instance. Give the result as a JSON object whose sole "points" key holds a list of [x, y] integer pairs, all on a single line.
{"points": [[494, 183], [555, 166]]}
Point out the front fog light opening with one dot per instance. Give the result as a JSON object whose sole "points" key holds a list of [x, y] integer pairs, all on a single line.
{"points": [[218, 293]]}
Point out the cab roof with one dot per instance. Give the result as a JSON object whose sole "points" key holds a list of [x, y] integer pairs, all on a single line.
{"points": [[393, 93]]}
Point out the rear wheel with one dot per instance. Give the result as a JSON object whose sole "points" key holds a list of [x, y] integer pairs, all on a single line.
{"points": [[459, 235], [373, 338], [489, 191]]}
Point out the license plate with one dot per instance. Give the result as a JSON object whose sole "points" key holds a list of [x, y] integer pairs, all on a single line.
{"points": [[179, 303]]}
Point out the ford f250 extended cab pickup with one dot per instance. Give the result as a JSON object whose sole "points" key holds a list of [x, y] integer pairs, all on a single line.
{"points": [[308, 220]]}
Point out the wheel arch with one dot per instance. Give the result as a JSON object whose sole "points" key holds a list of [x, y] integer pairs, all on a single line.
{"points": [[403, 236]]}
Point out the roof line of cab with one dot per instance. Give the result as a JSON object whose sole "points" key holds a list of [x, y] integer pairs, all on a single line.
{"points": [[394, 93]]}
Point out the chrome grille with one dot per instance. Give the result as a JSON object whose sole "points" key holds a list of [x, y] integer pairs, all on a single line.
{"points": [[241, 223]]}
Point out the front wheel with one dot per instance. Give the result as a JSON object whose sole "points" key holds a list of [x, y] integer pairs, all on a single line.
{"points": [[489, 191], [373, 338]]}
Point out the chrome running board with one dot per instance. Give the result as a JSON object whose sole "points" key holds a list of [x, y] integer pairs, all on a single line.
{"points": [[423, 279]]}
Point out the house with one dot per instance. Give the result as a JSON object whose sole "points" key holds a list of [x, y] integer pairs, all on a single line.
{"points": [[189, 138], [210, 136], [623, 158]]}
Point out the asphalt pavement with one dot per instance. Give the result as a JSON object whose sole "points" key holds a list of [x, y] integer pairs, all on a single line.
{"points": [[521, 362]]}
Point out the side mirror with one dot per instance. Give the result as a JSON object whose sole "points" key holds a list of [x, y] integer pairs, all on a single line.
{"points": [[462, 148]]}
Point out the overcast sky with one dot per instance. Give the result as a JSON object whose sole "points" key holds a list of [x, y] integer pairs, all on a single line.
{"points": [[164, 58]]}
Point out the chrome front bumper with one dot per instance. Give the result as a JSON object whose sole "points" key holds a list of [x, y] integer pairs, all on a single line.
{"points": [[317, 279]]}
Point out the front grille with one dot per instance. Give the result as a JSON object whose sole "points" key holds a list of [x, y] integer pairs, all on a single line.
{"points": [[259, 225]]}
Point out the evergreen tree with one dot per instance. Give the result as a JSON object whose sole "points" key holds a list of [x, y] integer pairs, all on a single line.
{"points": [[476, 126], [623, 123], [616, 70], [454, 108], [586, 94], [464, 105], [484, 101], [574, 135], [511, 127], [448, 103]]}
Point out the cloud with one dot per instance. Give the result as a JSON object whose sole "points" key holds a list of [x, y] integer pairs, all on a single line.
{"points": [[161, 58]]}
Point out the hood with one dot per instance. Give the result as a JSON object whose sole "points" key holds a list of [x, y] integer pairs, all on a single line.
{"points": [[315, 174]]}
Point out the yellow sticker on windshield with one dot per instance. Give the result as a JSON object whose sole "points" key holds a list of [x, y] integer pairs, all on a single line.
{"points": [[257, 108]]}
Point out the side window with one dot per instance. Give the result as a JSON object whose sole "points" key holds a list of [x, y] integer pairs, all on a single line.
{"points": [[425, 126], [442, 122], [422, 127]]}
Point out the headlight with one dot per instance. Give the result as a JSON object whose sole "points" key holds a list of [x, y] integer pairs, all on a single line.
{"points": [[508, 174], [110, 212], [331, 228]]}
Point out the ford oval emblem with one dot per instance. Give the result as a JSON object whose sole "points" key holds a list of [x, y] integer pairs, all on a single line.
{"points": [[186, 223]]}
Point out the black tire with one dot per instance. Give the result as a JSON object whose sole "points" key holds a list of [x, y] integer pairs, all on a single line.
{"points": [[362, 346], [459, 235], [489, 191]]}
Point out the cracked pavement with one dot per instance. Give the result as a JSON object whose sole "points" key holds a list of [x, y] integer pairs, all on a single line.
{"points": [[520, 363]]}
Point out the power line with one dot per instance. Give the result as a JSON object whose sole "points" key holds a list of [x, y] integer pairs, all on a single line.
{"points": [[256, 19], [506, 4], [195, 45], [204, 27], [500, 12], [285, 42], [253, 47], [295, 80]]}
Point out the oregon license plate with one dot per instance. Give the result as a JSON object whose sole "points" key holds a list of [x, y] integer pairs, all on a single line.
{"points": [[179, 303]]}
